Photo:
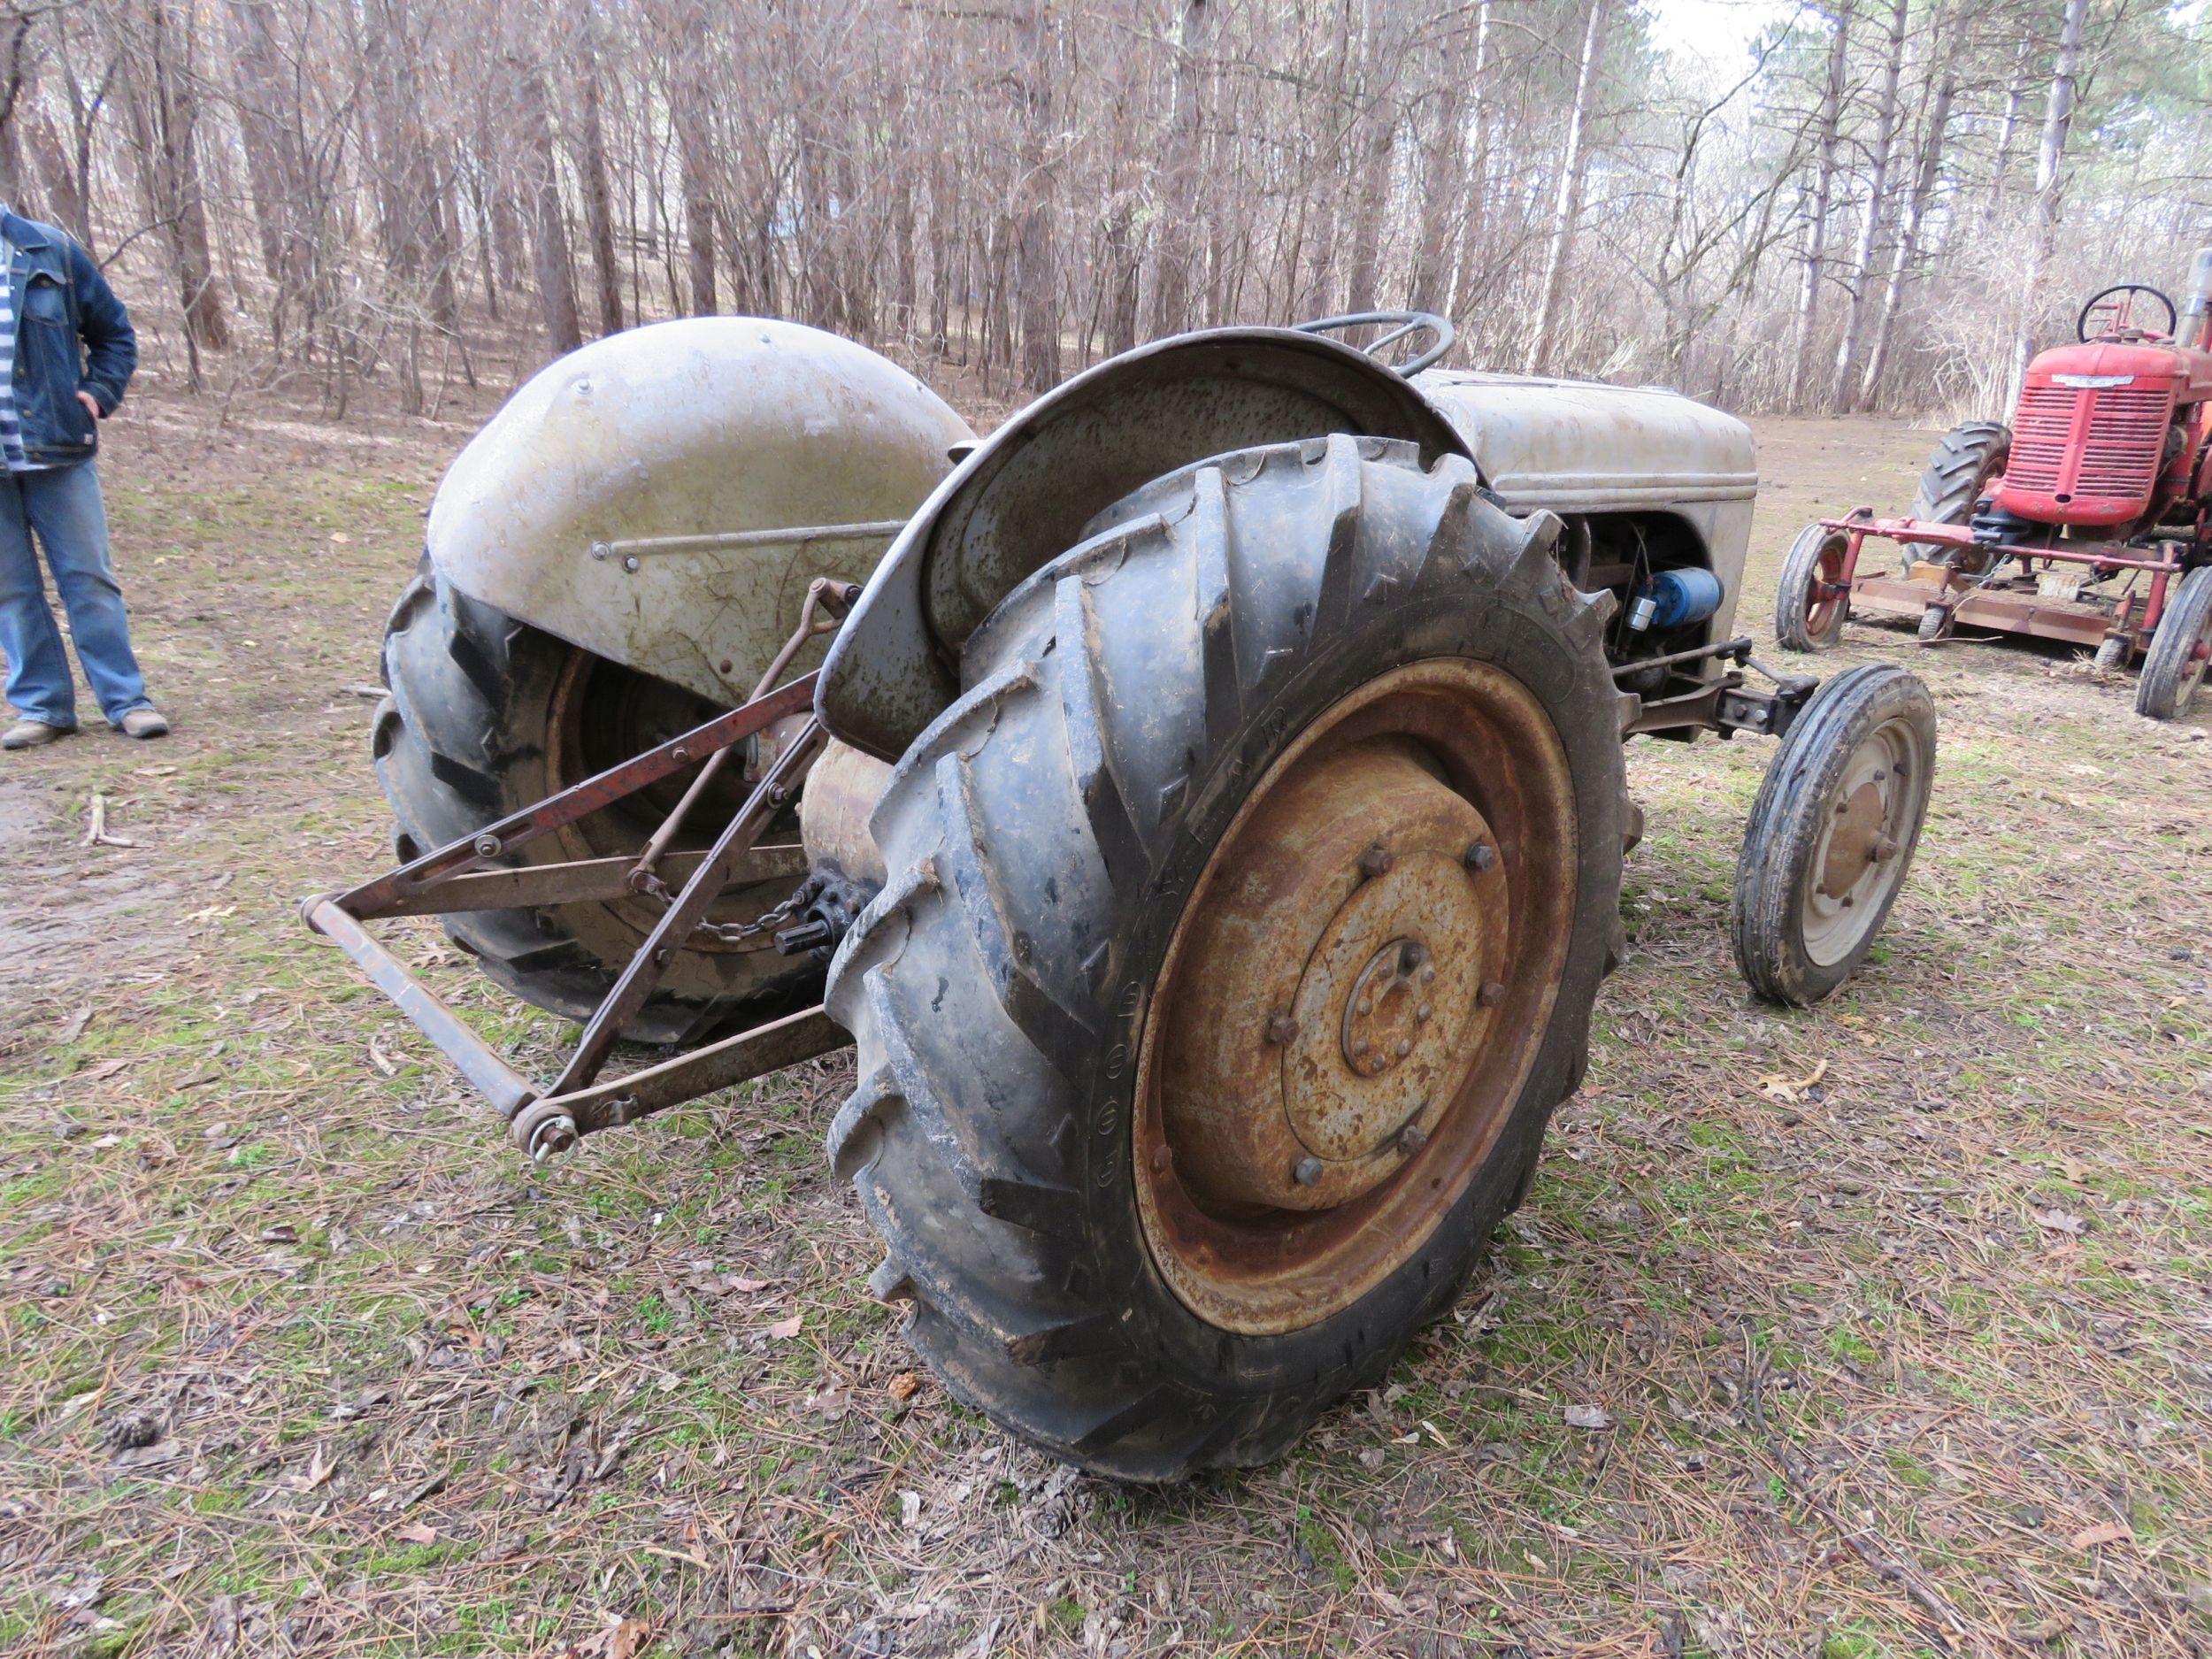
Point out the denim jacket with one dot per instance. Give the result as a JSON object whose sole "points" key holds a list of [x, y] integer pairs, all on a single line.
{"points": [[71, 334]]}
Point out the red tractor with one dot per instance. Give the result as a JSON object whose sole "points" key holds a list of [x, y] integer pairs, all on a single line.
{"points": [[2087, 521]]}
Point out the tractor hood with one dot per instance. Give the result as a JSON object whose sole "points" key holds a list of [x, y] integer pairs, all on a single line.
{"points": [[640, 497]]}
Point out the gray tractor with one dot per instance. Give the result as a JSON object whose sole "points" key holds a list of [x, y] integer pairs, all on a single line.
{"points": [[1206, 819]]}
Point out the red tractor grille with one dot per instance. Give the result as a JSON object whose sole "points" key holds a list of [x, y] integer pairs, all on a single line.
{"points": [[2097, 450]]}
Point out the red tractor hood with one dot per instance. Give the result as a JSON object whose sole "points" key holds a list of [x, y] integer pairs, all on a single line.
{"points": [[2145, 362]]}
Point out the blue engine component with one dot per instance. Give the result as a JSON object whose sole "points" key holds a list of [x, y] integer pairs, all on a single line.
{"points": [[1668, 599]]}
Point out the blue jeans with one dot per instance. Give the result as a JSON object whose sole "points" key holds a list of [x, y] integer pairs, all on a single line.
{"points": [[62, 505]]}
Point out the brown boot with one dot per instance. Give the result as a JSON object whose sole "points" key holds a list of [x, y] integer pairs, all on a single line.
{"points": [[31, 734], [144, 723]]}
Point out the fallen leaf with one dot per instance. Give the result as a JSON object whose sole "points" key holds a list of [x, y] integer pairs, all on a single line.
{"points": [[784, 1330], [905, 1386], [1589, 1417], [1780, 1087], [2103, 1533], [74, 1027], [830, 1405], [910, 1509], [2058, 1221], [416, 1532]]}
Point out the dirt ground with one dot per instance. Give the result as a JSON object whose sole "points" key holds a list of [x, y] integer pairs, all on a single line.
{"points": [[1900, 1311]]}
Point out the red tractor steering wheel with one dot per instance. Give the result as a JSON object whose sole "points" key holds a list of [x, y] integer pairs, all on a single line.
{"points": [[2119, 302]]}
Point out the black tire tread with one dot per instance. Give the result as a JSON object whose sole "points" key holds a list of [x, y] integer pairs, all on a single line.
{"points": [[1776, 836], [1953, 480], [964, 981], [460, 725]]}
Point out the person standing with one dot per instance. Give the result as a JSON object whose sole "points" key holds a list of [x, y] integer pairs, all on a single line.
{"points": [[66, 352]]}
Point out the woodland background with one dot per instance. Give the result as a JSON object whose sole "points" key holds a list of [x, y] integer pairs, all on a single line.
{"points": [[1882, 205]]}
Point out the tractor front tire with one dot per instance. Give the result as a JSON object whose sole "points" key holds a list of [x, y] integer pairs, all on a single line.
{"points": [[1832, 832], [1809, 613], [1244, 919], [2174, 667], [486, 716]]}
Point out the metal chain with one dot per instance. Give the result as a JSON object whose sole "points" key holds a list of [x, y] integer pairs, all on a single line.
{"points": [[736, 932]]}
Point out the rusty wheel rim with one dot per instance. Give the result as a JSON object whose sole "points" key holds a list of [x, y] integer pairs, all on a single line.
{"points": [[1352, 996], [1825, 591], [1857, 859], [601, 714]]}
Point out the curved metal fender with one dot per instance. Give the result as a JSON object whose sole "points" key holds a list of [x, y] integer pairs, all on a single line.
{"points": [[1026, 493], [686, 433]]}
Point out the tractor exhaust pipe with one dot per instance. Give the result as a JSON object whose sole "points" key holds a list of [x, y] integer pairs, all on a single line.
{"points": [[2196, 311]]}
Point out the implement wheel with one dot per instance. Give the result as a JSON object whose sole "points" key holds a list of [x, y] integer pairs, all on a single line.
{"points": [[2174, 667], [1244, 920], [1832, 832], [1814, 600], [488, 715]]}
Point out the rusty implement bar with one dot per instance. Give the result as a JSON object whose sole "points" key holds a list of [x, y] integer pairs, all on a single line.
{"points": [[519, 829], [681, 919], [2069, 622], [507, 1089], [551, 1125], [586, 881]]}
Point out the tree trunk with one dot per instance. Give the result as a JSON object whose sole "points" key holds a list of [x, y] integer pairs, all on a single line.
{"points": [[1441, 159], [1908, 244], [1037, 249], [1823, 201], [1474, 187], [2050, 158], [160, 83], [555, 273], [1180, 173], [1567, 215], [1376, 145], [598, 194], [695, 162], [1871, 222]]}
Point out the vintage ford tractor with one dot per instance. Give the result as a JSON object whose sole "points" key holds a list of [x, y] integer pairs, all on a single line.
{"points": [[1206, 821], [2087, 521]]}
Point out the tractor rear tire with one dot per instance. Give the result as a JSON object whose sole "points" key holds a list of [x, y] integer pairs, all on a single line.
{"points": [[1804, 619], [2174, 667], [1959, 472], [1832, 832], [1088, 832], [476, 727]]}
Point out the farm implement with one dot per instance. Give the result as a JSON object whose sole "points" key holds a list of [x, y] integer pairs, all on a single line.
{"points": [[2087, 521]]}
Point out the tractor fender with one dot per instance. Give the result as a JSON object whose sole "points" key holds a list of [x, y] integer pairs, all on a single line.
{"points": [[628, 497], [1024, 494]]}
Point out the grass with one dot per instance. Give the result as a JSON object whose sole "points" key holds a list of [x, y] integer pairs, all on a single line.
{"points": [[1882, 1354]]}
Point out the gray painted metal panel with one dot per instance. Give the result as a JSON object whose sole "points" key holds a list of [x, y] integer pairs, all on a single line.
{"points": [[701, 429]]}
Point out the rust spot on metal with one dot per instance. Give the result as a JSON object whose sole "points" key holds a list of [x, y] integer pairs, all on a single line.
{"points": [[1304, 1171]]}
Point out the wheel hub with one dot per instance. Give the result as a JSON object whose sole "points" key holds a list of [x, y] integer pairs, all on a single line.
{"points": [[1353, 996], [1361, 922]]}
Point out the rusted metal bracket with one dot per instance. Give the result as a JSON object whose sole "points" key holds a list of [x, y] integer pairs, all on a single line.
{"points": [[452, 878]]}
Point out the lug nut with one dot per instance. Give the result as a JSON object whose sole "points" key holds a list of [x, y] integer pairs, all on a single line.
{"points": [[1405, 1047], [1359, 1047], [1421, 1014], [1481, 855], [1428, 975], [1376, 860], [1282, 1029], [1411, 959], [1411, 1139], [1885, 850], [1491, 994], [1307, 1172]]}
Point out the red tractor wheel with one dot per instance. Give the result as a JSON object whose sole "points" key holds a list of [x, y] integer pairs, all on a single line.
{"points": [[2175, 665], [1814, 599]]}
